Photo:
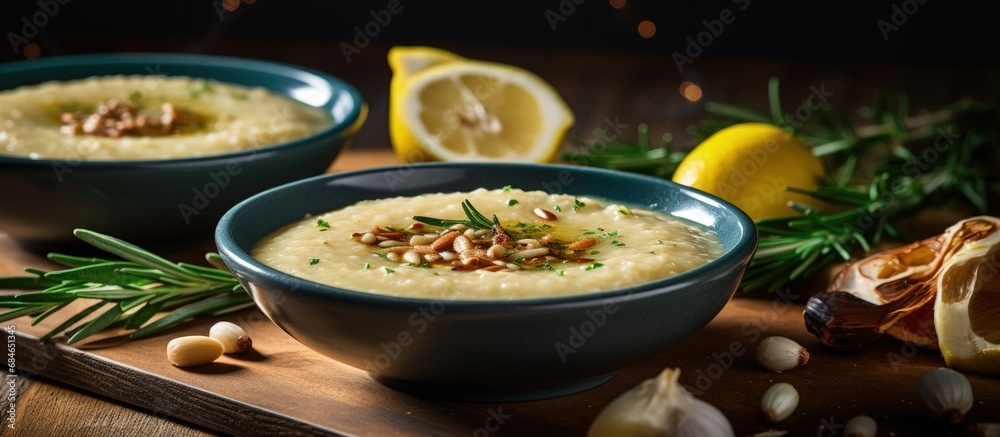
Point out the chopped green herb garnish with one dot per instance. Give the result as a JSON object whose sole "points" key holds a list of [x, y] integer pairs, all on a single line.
{"points": [[623, 210], [545, 266], [595, 252], [313, 261], [589, 232], [193, 94], [559, 272], [613, 234], [527, 227], [135, 96], [206, 86], [388, 270], [577, 204], [517, 260], [506, 188], [617, 243], [512, 202], [594, 266], [367, 266], [558, 208], [476, 220], [323, 224]]}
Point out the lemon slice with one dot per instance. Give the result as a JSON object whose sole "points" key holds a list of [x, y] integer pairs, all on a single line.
{"points": [[968, 301], [444, 107], [749, 165]]}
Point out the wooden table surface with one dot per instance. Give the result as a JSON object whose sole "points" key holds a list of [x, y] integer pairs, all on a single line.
{"points": [[603, 88]]}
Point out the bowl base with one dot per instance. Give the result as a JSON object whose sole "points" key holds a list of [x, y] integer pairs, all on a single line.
{"points": [[478, 394]]}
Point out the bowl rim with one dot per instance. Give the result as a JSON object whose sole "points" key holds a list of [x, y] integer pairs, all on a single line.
{"points": [[232, 252], [353, 121]]}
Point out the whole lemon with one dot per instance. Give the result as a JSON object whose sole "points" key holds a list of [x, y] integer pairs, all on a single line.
{"points": [[750, 165]]}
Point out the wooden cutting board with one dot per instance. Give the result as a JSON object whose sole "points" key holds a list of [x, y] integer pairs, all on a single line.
{"points": [[284, 388]]}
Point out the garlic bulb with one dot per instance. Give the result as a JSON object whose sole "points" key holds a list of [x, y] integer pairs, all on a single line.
{"points": [[860, 426], [659, 406], [779, 353], [779, 402], [947, 394], [233, 338]]}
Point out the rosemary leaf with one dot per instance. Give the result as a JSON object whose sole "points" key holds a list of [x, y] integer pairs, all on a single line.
{"points": [[97, 324]]}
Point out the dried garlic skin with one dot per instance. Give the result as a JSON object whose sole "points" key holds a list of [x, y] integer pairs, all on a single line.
{"points": [[947, 394], [659, 406], [893, 292], [193, 350]]}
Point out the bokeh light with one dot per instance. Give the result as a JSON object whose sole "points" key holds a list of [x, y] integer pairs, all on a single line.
{"points": [[647, 29], [32, 51], [618, 4], [690, 91]]}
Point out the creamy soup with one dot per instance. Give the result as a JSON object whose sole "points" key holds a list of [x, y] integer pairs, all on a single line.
{"points": [[498, 245], [147, 117]]}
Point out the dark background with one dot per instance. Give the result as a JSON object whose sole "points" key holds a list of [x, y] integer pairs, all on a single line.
{"points": [[952, 32]]}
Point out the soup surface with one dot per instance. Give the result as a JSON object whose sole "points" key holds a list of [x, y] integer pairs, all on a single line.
{"points": [[545, 246], [147, 117]]}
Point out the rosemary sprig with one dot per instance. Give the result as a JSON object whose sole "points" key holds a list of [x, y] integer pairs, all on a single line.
{"points": [[476, 219], [128, 292], [881, 172]]}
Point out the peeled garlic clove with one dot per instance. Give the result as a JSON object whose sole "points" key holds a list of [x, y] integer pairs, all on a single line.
{"points": [[779, 402], [860, 426], [947, 394], [779, 353], [659, 406], [233, 338], [193, 350]]}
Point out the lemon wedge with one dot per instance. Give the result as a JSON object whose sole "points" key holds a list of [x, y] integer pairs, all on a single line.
{"points": [[749, 165], [968, 300], [443, 107]]}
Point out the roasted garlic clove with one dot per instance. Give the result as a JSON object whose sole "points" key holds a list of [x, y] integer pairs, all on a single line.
{"points": [[892, 292], [779, 402], [781, 353], [947, 394]]}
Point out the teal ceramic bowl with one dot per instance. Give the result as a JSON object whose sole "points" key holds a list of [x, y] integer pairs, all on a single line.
{"points": [[173, 200], [499, 350]]}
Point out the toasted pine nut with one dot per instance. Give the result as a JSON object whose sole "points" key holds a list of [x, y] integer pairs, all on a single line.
{"points": [[412, 257], [545, 214], [473, 253], [493, 268], [582, 243], [470, 233], [392, 256], [392, 243], [483, 233], [368, 238], [530, 253], [462, 243], [512, 266], [448, 256], [495, 251], [500, 262], [459, 227], [418, 240], [432, 257]]}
